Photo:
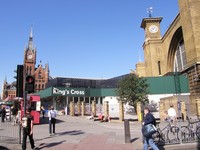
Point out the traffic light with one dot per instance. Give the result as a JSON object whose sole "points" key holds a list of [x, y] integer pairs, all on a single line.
{"points": [[30, 83], [19, 86]]}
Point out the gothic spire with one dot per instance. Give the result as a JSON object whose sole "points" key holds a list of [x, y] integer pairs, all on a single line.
{"points": [[47, 67], [31, 32], [5, 80], [30, 43]]}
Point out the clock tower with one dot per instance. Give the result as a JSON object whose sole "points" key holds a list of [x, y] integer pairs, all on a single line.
{"points": [[30, 57], [151, 27], [153, 54]]}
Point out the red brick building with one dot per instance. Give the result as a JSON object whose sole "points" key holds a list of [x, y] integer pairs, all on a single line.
{"points": [[40, 73]]}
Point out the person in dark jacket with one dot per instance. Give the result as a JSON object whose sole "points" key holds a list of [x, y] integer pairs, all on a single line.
{"points": [[3, 114], [14, 112], [149, 119], [27, 126]]}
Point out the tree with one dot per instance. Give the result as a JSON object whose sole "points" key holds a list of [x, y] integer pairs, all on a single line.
{"points": [[132, 89]]}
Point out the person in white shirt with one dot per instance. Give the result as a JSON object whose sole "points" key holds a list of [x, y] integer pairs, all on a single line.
{"points": [[172, 113], [52, 120]]}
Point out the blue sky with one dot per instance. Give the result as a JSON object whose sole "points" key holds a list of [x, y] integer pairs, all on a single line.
{"points": [[78, 38]]}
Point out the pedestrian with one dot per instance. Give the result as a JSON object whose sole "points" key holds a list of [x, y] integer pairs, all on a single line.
{"points": [[52, 120], [149, 119], [27, 127], [172, 113], [3, 114], [43, 111], [14, 112], [66, 110], [8, 113]]}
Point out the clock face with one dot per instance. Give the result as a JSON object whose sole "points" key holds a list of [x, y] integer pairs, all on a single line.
{"points": [[153, 29], [30, 56]]}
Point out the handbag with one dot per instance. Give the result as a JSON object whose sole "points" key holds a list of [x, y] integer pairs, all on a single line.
{"points": [[149, 130]]}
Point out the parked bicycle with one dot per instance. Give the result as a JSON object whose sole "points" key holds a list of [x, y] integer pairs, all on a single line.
{"points": [[167, 135], [191, 131]]}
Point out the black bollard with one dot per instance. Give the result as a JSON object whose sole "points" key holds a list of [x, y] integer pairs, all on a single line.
{"points": [[127, 131]]}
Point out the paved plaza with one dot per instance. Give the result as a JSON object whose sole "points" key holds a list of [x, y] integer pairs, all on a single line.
{"points": [[79, 133]]}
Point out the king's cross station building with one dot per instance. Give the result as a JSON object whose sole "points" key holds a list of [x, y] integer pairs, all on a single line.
{"points": [[171, 67]]}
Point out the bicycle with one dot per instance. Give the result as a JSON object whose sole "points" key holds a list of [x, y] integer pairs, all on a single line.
{"points": [[167, 135], [191, 131]]}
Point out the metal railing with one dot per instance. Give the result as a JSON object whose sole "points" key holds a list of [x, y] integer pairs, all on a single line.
{"points": [[170, 134], [9, 132]]}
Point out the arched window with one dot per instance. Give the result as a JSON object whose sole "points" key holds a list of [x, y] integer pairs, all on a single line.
{"points": [[42, 86], [159, 68], [27, 68], [30, 70], [40, 74], [180, 57]]}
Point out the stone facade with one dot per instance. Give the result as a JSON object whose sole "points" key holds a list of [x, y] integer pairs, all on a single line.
{"points": [[160, 51], [178, 50], [82, 108], [165, 105], [94, 109], [72, 108], [189, 105]]}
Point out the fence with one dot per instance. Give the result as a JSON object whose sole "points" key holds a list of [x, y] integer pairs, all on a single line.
{"points": [[9, 133]]}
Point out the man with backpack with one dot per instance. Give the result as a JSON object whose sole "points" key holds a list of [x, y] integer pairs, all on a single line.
{"points": [[148, 119]]}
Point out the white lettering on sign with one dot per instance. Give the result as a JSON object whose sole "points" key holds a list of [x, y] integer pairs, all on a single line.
{"points": [[77, 92], [68, 92]]}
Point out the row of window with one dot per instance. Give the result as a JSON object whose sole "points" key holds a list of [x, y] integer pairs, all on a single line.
{"points": [[39, 86], [39, 80]]}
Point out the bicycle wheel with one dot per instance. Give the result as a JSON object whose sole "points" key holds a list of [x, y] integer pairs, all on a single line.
{"points": [[185, 133], [172, 135], [198, 132]]}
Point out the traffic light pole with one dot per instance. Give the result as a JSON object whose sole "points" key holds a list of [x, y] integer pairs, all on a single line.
{"points": [[25, 99], [23, 88], [19, 91], [20, 129]]}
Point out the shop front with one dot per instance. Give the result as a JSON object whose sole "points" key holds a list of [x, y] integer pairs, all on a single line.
{"points": [[60, 98]]}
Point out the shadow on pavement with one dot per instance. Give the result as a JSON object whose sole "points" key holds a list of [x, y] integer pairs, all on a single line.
{"points": [[133, 140], [3, 148], [49, 145], [45, 120], [74, 132], [49, 137]]}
